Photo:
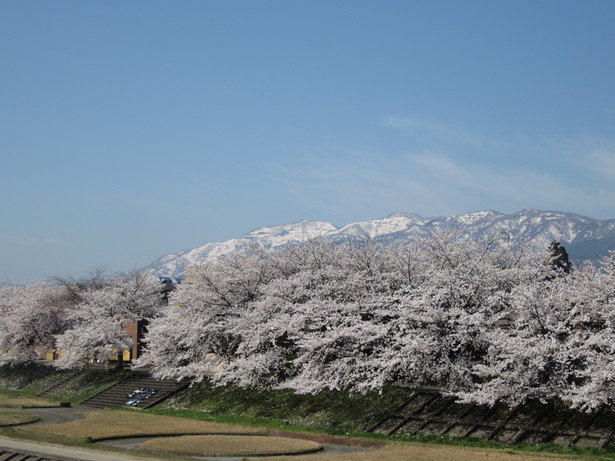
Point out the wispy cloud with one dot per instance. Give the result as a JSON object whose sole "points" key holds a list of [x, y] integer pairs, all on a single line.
{"points": [[447, 181], [482, 183], [439, 164], [438, 130], [602, 163]]}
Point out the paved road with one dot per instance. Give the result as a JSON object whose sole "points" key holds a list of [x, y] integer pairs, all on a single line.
{"points": [[57, 415], [59, 452]]}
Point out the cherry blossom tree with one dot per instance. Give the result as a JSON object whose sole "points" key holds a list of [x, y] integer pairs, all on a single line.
{"points": [[31, 315], [482, 320], [197, 323], [560, 344], [96, 323]]}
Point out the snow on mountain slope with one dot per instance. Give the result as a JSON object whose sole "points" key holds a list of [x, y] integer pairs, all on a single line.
{"points": [[585, 238], [174, 265], [379, 227]]}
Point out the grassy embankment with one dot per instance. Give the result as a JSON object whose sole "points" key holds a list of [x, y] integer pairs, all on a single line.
{"points": [[33, 379], [330, 413]]}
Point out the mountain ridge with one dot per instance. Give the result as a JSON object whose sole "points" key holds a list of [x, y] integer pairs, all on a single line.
{"points": [[584, 237]]}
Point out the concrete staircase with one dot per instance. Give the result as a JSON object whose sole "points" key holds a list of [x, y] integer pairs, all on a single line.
{"points": [[137, 391]]}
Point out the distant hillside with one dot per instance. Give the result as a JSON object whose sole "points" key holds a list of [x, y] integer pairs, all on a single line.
{"points": [[583, 237]]}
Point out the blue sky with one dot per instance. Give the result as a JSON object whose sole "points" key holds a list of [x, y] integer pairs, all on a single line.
{"points": [[129, 130]]}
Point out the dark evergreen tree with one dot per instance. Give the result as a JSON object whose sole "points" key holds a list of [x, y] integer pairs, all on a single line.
{"points": [[558, 258]]}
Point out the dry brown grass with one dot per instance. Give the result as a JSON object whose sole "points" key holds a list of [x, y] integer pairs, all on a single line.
{"points": [[112, 423], [19, 402], [232, 445], [418, 452], [9, 416], [10, 409]]}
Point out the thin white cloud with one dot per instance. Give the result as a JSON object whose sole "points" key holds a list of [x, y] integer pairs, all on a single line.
{"points": [[438, 130], [439, 178], [431, 183], [438, 163], [602, 163]]}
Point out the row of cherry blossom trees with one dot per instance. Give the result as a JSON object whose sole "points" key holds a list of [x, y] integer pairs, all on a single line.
{"points": [[483, 321], [83, 319]]}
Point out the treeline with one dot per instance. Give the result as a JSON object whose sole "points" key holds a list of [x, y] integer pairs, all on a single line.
{"points": [[483, 321], [83, 319]]}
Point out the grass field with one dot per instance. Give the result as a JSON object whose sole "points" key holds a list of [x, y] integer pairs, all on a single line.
{"points": [[12, 401], [10, 416], [116, 423], [11, 404], [417, 452], [232, 445]]}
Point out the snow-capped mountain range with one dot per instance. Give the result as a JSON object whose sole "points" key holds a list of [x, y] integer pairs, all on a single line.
{"points": [[583, 237]]}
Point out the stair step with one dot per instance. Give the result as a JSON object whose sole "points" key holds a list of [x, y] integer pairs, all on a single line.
{"points": [[117, 394]]}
